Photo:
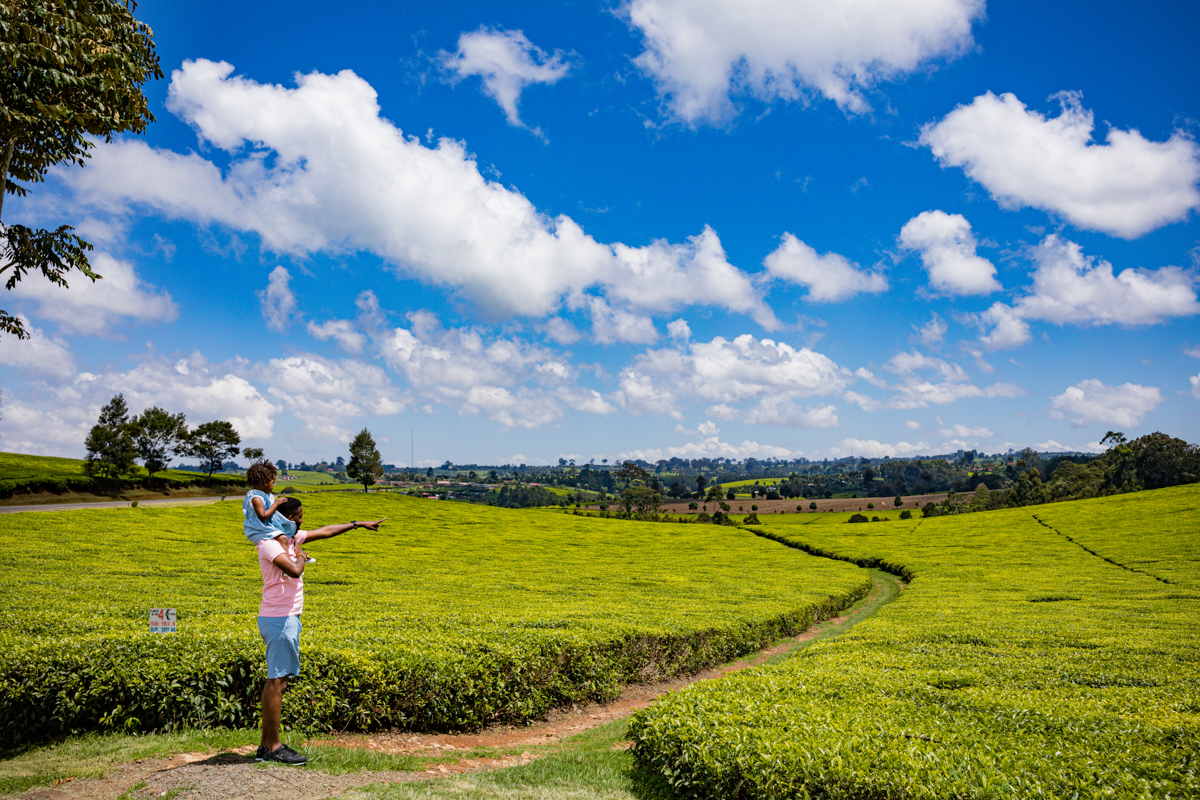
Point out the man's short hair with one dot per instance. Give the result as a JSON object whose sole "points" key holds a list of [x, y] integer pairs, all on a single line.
{"points": [[260, 473], [289, 507]]}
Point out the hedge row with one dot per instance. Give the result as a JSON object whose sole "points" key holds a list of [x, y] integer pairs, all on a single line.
{"points": [[102, 485], [162, 682], [866, 562]]}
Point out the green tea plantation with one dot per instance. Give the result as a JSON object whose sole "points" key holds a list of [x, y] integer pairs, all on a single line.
{"points": [[451, 617], [1050, 651]]}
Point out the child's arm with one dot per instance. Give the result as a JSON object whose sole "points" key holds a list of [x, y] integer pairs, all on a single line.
{"points": [[265, 514]]}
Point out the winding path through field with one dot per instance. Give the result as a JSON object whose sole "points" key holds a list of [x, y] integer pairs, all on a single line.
{"points": [[234, 774]]}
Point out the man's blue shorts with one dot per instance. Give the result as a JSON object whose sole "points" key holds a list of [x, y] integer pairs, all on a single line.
{"points": [[282, 637]]}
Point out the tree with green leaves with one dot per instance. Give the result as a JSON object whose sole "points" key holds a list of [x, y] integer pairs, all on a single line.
{"points": [[212, 443], [157, 436], [640, 501], [72, 70], [110, 446], [365, 465], [630, 472], [1163, 460], [253, 454]]}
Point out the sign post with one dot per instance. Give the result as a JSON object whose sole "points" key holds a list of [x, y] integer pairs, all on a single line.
{"points": [[162, 620]]}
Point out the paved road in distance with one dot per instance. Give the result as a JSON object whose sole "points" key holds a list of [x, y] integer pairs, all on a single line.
{"points": [[173, 501]]}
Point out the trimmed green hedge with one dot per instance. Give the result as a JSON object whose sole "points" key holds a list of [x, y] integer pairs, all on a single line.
{"points": [[154, 683], [1022, 663], [452, 616], [98, 485]]}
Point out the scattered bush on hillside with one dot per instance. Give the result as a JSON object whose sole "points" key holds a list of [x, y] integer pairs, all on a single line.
{"points": [[524, 497], [751, 519], [858, 518], [906, 514]]}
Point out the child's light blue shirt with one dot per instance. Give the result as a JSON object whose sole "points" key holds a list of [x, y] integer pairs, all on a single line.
{"points": [[255, 529]]}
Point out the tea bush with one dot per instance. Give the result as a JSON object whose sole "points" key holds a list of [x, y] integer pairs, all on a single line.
{"points": [[1023, 661]]}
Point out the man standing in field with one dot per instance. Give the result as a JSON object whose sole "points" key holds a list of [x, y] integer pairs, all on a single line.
{"points": [[281, 561]]}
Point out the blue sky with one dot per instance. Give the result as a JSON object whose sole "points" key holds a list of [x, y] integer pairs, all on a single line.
{"points": [[646, 229]]}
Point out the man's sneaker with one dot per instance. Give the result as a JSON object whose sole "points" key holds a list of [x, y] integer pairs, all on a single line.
{"points": [[285, 755], [309, 560], [259, 753]]}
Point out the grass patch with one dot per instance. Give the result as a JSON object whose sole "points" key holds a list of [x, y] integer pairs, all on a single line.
{"points": [[591, 766]]}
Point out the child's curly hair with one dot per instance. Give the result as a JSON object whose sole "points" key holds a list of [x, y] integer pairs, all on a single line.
{"points": [[260, 473]]}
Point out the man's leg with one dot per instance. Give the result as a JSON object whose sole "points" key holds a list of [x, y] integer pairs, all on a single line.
{"points": [[272, 709], [282, 638]]}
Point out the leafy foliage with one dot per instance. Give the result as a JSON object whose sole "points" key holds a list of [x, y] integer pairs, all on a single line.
{"points": [[70, 69], [157, 436], [110, 445], [211, 443], [366, 465], [520, 496]]}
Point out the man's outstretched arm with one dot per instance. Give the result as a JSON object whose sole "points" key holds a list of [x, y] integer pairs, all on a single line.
{"points": [[329, 531]]}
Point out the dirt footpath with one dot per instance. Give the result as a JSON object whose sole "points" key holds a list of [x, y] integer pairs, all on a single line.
{"points": [[233, 774]]}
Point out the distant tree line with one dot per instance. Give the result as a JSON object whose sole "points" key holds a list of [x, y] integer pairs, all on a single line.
{"points": [[117, 441], [520, 496], [1153, 461]]}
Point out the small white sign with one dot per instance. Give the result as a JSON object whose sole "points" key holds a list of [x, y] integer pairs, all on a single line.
{"points": [[162, 620]]}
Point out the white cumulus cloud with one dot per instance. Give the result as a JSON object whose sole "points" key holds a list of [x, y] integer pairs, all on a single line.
{"points": [[726, 372], [712, 447], [786, 412], [917, 388], [701, 54], [932, 332], [88, 307], [507, 62], [38, 353], [947, 249], [873, 448], [829, 277], [340, 330], [960, 431], [1069, 287], [505, 380], [1090, 401], [277, 302], [1125, 187], [54, 418], [316, 169], [328, 395]]}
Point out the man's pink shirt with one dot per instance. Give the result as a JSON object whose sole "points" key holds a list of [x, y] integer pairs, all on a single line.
{"points": [[282, 595]]}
